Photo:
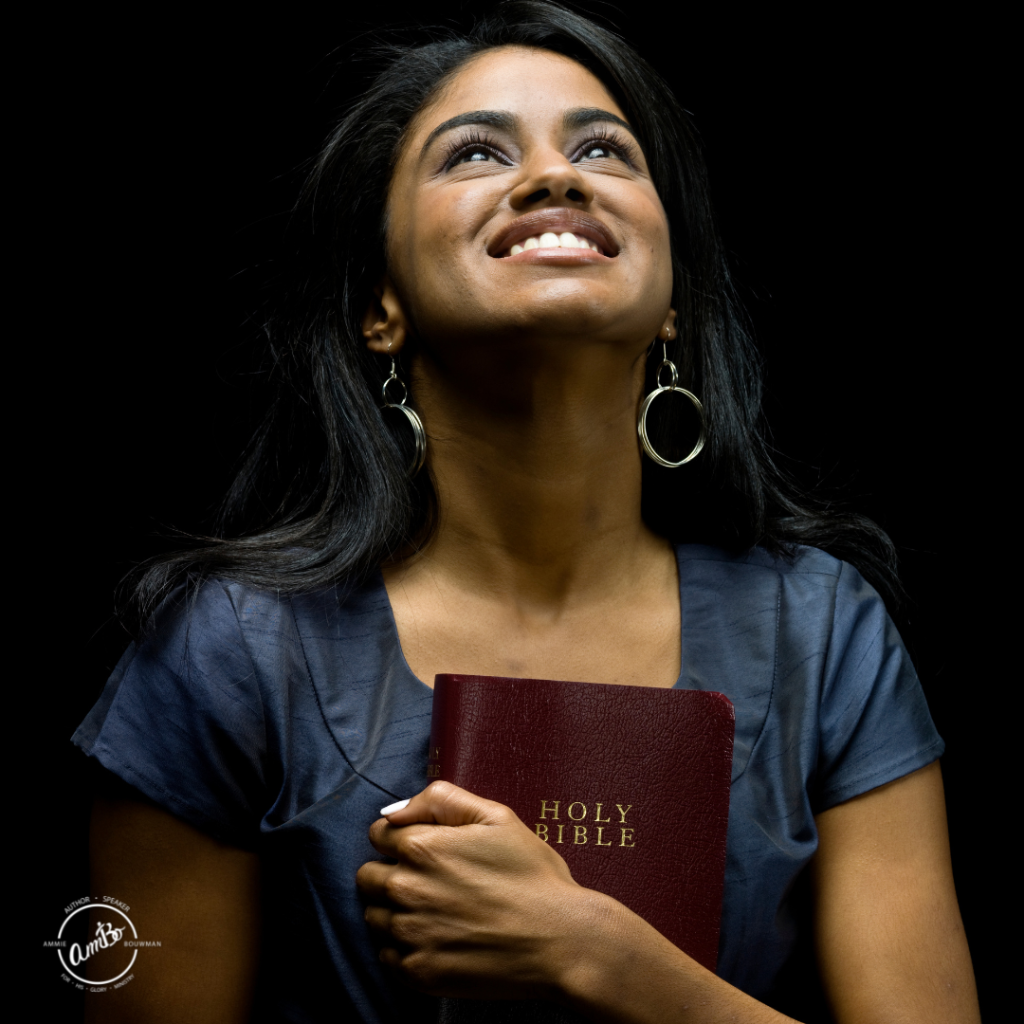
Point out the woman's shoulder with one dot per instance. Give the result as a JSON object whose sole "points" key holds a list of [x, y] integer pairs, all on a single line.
{"points": [[224, 678], [804, 613], [801, 581], [804, 646], [797, 559], [222, 612], [220, 648]]}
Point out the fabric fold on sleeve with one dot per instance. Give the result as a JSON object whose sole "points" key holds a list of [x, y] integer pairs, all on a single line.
{"points": [[181, 718], [874, 720]]}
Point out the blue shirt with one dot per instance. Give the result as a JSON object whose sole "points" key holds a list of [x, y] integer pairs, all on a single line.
{"points": [[284, 723]]}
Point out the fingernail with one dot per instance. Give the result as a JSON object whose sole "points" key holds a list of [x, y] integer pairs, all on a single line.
{"points": [[391, 808]]}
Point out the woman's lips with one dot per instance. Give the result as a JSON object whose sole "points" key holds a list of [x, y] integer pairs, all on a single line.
{"points": [[559, 232]]}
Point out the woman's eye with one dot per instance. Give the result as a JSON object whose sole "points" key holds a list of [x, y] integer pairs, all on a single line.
{"points": [[597, 151], [475, 155]]}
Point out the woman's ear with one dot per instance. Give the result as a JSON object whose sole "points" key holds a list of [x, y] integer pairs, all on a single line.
{"points": [[668, 328], [384, 323]]}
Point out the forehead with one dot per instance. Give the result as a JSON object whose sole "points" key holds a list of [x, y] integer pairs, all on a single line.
{"points": [[535, 85]]}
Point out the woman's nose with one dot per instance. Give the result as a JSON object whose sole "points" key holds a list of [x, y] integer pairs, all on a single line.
{"points": [[549, 174]]}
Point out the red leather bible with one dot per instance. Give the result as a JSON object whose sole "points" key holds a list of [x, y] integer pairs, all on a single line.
{"points": [[630, 784]]}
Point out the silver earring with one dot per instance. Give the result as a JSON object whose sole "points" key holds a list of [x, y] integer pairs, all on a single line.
{"points": [[415, 422], [661, 389]]}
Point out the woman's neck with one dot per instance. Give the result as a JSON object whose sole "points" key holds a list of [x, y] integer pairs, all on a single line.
{"points": [[538, 477]]}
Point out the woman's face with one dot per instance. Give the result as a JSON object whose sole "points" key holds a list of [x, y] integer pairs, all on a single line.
{"points": [[522, 146]]}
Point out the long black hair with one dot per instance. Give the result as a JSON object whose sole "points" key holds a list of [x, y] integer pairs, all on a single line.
{"points": [[322, 494]]}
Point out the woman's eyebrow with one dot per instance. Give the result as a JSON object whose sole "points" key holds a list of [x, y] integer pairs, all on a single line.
{"points": [[500, 119], [580, 117]]}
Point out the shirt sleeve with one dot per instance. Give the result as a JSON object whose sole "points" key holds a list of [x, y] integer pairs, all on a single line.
{"points": [[181, 718], [874, 720]]}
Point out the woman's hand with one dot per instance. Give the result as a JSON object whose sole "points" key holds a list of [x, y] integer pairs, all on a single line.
{"points": [[475, 905]]}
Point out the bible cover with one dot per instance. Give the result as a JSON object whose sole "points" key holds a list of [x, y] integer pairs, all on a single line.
{"points": [[630, 784]]}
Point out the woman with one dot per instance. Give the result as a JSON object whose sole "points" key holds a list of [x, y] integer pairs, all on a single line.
{"points": [[512, 229]]}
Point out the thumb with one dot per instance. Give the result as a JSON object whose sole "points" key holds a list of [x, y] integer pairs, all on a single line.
{"points": [[442, 803]]}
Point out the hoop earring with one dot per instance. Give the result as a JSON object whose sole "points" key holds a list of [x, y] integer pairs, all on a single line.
{"points": [[418, 433], [673, 385]]}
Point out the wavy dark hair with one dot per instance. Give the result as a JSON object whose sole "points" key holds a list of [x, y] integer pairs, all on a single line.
{"points": [[322, 494]]}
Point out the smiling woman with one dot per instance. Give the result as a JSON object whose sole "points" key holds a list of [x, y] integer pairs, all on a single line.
{"points": [[510, 234]]}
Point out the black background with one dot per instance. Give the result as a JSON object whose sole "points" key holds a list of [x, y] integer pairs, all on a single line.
{"points": [[844, 155]]}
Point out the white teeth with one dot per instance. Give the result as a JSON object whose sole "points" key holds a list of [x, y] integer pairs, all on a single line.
{"points": [[550, 240]]}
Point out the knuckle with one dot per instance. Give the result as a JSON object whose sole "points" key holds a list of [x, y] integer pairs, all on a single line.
{"points": [[393, 887], [418, 846], [419, 970], [398, 888], [444, 794], [502, 814], [404, 929]]}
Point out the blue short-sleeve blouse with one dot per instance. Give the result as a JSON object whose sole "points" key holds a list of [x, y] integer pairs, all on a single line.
{"points": [[283, 723]]}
